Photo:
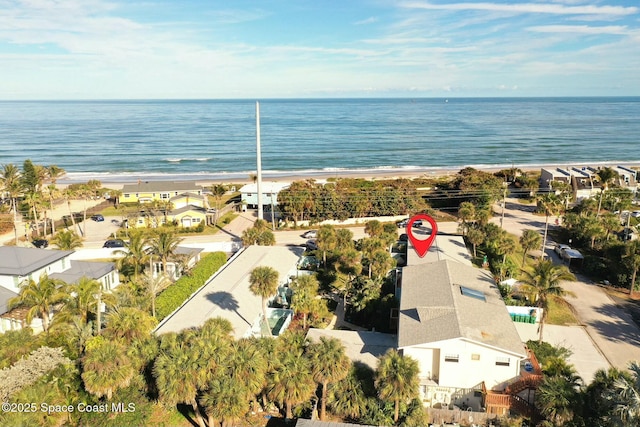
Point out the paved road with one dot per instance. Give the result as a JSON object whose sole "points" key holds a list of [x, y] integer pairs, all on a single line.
{"points": [[609, 327]]}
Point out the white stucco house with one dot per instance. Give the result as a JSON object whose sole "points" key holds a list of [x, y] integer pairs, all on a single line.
{"points": [[270, 190], [453, 321], [18, 264]]}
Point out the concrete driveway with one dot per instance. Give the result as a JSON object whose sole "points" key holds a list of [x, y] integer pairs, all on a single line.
{"points": [[607, 325]]}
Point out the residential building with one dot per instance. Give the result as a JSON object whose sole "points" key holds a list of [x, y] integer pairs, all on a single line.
{"points": [[454, 322], [18, 264], [270, 190], [584, 180], [227, 295], [161, 191], [188, 256]]}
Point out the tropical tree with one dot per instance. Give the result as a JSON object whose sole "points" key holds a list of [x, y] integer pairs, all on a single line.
{"points": [[558, 398], [476, 237], [344, 239], [396, 379], [136, 252], [373, 228], [106, 367], [263, 282], [153, 285], [67, 240], [628, 396], [217, 191], [70, 193], [548, 202], [542, 283], [529, 240], [12, 187], [326, 240], [381, 262], [53, 173], [292, 381], [505, 245], [605, 175], [330, 364], [368, 247], [347, 397], [40, 297], [129, 324], [305, 290], [180, 371], [467, 214], [83, 301], [599, 397], [632, 259], [164, 244]]}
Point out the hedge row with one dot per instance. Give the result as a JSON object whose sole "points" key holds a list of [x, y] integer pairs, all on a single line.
{"points": [[172, 297]]}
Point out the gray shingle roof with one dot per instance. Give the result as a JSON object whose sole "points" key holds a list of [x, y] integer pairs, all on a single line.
{"points": [[18, 261], [5, 296], [80, 269], [433, 308], [161, 186]]}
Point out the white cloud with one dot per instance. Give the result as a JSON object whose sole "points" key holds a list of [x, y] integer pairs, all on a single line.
{"points": [[557, 9], [580, 29], [370, 20]]}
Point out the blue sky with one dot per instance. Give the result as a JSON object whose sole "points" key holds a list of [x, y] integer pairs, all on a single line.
{"points": [[95, 49]]}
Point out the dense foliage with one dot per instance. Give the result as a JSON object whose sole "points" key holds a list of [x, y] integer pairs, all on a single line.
{"points": [[349, 198], [176, 294]]}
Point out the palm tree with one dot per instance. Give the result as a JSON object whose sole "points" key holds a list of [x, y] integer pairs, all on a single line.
{"points": [[12, 186], [530, 239], [373, 228], [558, 398], [40, 297], [606, 176], [505, 246], [382, 262], [632, 258], [67, 240], [396, 379], [153, 285], [543, 283], [326, 240], [467, 214], [292, 382], [344, 239], [136, 253], [68, 194], [329, 364], [347, 397], [82, 301], [164, 244], [549, 203], [628, 396], [305, 290], [34, 200], [129, 324], [227, 399], [368, 247], [53, 173], [106, 368], [179, 371], [264, 283], [475, 236], [217, 191]]}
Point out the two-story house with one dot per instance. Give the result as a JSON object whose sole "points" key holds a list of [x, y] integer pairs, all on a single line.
{"points": [[454, 322], [161, 191], [18, 264]]}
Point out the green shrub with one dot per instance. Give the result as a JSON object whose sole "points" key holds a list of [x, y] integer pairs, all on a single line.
{"points": [[172, 297]]}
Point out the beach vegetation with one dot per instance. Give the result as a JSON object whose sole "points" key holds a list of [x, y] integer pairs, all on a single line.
{"points": [[259, 234], [66, 240]]}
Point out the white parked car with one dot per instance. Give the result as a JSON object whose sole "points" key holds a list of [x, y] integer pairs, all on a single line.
{"points": [[311, 234], [560, 247]]}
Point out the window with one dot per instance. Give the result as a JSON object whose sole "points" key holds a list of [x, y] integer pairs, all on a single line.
{"points": [[164, 196], [451, 358], [502, 361], [475, 356], [126, 195], [137, 194], [196, 219], [472, 293]]}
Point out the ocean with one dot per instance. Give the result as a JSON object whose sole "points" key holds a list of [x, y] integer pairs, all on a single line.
{"points": [[117, 141]]}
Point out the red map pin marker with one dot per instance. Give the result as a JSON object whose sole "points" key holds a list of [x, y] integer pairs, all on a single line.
{"points": [[422, 246]]}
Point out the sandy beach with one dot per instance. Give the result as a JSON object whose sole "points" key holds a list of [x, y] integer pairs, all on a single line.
{"points": [[322, 175]]}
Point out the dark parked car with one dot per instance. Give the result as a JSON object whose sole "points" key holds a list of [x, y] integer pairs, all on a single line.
{"points": [[402, 224], [40, 243], [114, 243], [311, 245], [97, 218]]}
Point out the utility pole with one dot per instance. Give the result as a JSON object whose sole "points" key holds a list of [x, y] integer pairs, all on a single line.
{"points": [[259, 163]]}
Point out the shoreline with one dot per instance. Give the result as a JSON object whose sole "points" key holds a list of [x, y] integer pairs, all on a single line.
{"points": [[118, 180]]}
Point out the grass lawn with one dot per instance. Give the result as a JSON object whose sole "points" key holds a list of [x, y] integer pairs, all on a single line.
{"points": [[560, 313]]}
